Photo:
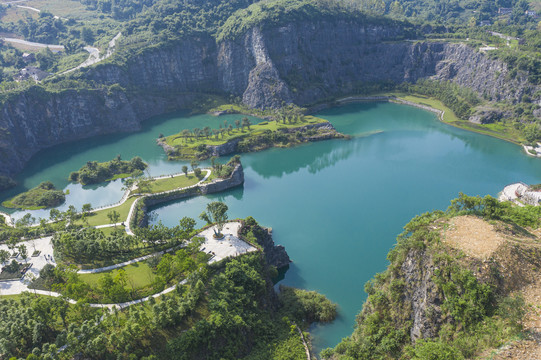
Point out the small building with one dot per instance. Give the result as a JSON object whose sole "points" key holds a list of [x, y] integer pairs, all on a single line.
{"points": [[32, 72], [485, 23], [29, 57], [505, 11], [531, 13]]}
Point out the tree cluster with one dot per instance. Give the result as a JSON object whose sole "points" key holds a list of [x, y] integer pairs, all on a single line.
{"points": [[94, 172]]}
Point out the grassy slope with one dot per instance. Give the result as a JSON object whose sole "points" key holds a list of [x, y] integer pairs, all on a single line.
{"points": [[139, 275], [99, 217]]}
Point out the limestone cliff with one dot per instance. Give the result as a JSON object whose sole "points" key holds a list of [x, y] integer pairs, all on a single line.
{"points": [[302, 62]]}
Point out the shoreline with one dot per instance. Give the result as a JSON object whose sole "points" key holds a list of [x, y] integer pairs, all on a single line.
{"points": [[398, 100]]}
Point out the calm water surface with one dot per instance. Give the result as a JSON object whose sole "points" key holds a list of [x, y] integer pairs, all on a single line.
{"points": [[337, 206]]}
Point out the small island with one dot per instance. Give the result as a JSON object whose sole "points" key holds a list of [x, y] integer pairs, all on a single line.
{"points": [[94, 172], [45, 195], [242, 137]]}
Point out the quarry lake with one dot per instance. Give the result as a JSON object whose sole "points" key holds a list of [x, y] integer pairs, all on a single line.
{"points": [[337, 206]]}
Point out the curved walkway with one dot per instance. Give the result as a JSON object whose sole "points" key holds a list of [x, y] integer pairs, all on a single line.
{"points": [[229, 246]]}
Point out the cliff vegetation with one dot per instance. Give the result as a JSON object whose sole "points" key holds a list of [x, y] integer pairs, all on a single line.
{"points": [[458, 284]]}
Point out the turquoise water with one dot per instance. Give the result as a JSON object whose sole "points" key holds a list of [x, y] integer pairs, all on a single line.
{"points": [[337, 206]]}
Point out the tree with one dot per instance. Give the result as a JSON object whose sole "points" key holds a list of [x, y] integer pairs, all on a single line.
{"points": [[237, 124], [45, 59], [113, 216], [87, 35], [187, 225], [197, 173], [206, 130], [4, 256], [185, 170], [23, 251], [194, 164], [87, 208], [186, 133], [216, 213]]}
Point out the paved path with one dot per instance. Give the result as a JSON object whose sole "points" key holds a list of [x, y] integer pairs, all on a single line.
{"points": [[110, 306], [94, 56], [34, 44], [37, 10], [509, 193]]}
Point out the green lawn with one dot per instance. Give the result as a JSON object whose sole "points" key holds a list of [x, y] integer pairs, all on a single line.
{"points": [[171, 183], [139, 275], [100, 217], [110, 230]]}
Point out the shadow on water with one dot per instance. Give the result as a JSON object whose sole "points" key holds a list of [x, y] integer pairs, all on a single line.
{"points": [[314, 157]]}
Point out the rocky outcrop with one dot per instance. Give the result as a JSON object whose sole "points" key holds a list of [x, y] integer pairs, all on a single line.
{"points": [[275, 255], [224, 149], [302, 62], [236, 179], [488, 115], [422, 295]]}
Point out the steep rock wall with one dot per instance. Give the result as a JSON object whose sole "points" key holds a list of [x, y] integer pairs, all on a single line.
{"points": [[303, 63]]}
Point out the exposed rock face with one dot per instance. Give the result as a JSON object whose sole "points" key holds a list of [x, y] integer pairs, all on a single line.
{"points": [[275, 255], [422, 295], [487, 115], [224, 149], [302, 63]]}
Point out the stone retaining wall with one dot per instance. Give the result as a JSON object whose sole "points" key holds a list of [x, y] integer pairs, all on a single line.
{"points": [[217, 185]]}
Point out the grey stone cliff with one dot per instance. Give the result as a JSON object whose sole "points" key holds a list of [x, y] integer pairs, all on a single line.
{"points": [[302, 63]]}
